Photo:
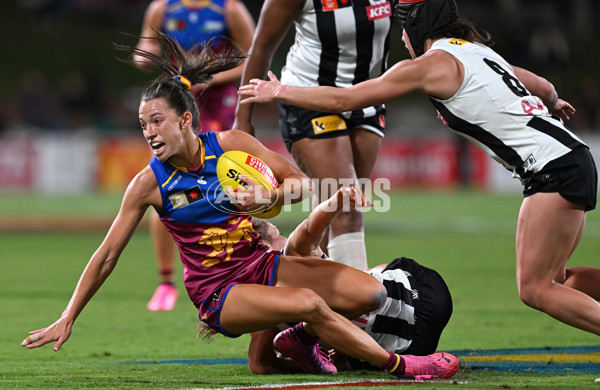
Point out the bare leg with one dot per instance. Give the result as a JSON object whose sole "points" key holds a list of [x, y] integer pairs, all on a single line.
{"points": [[165, 296], [548, 230], [365, 148], [164, 248], [345, 289], [246, 310], [584, 279]]}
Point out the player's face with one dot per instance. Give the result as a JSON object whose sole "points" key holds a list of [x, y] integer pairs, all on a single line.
{"points": [[277, 240], [161, 127]]}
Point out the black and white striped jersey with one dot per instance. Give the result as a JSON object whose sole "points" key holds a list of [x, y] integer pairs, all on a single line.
{"points": [[339, 43], [494, 110], [393, 324]]}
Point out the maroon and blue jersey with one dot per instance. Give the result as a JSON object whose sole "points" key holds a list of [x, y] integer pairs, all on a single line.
{"points": [[190, 25], [217, 243]]}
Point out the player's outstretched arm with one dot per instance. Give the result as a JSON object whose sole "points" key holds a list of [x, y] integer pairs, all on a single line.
{"points": [[103, 261], [305, 239], [434, 74]]}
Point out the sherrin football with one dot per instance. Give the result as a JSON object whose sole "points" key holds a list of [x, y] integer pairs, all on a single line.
{"points": [[234, 163]]}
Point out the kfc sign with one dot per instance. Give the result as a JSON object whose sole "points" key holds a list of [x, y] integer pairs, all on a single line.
{"points": [[379, 11]]}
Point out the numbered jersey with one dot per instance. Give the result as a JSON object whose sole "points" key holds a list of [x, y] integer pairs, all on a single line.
{"points": [[495, 111], [216, 242]]}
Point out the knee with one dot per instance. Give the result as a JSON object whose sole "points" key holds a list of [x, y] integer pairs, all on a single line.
{"points": [[371, 300], [311, 307], [532, 294], [378, 297]]}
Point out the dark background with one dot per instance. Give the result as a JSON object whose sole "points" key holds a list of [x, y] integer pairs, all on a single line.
{"points": [[59, 71]]}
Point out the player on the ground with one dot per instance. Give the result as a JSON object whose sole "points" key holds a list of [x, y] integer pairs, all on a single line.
{"points": [[410, 322]]}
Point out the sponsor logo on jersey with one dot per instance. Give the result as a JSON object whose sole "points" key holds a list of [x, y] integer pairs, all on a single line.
{"points": [[457, 42], [175, 25], [175, 182], [212, 26], [325, 124], [379, 11], [332, 5], [185, 198], [529, 162]]}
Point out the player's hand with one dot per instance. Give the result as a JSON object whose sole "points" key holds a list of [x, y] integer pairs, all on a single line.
{"points": [[349, 198], [253, 199], [59, 331], [357, 198], [563, 110], [260, 91]]}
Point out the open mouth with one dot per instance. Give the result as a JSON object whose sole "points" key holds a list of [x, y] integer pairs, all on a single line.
{"points": [[156, 145]]}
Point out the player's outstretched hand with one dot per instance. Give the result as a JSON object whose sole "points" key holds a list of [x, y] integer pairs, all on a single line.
{"points": [[58, 331], [260, 91], [563, 110], [348, 198]]}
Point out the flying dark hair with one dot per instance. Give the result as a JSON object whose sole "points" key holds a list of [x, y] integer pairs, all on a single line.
{"points": [[197, 65], [464, 29]]}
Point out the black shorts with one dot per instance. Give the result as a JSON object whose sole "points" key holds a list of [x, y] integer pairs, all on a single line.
{"points": [[433, 308], [298, 123], [573, 176]]}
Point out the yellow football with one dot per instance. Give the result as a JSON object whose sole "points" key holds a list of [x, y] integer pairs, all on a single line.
{"points": [[235, 163]]}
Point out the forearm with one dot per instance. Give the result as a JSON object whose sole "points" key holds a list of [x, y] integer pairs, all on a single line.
{"points": [[95, 273], [255, 66], [538, 86], [293, 189], [326, 99]]}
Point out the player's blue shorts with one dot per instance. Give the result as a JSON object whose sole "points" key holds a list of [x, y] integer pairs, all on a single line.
{"points": [[261, 272]]}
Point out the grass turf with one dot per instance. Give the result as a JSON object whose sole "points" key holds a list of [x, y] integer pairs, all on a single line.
{"points": [[467, 236]]}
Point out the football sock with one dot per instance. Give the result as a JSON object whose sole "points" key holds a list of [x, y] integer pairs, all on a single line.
{"points": [[395, 365], [349, 249]]}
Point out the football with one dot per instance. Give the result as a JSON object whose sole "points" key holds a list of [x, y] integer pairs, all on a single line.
{"points": [[234, 163]]}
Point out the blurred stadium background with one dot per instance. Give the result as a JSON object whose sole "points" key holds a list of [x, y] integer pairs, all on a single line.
{"points": [[68, 108]]}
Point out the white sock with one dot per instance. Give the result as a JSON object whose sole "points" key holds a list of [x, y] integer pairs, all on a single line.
{"points": [[349, 249]]}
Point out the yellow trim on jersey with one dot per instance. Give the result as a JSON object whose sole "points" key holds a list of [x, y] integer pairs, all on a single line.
{"points": [[184, 169], [170, 177], [457, 42], [200, 4]]}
